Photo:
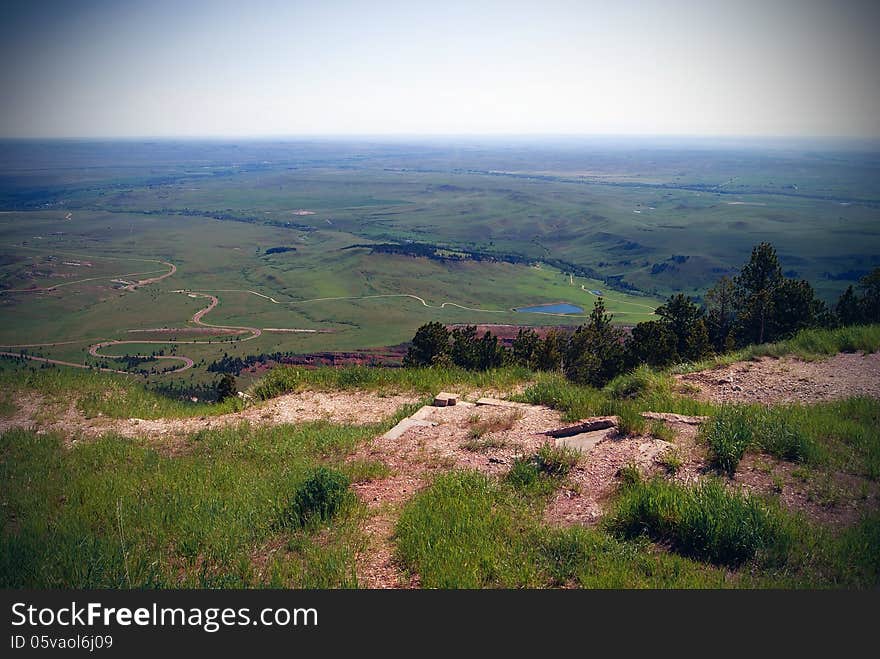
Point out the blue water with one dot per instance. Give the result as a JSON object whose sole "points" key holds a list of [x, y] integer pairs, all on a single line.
{"points": [[551, 308]]}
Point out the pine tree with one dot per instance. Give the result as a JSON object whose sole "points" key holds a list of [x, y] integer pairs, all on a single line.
{"points": [[429, 346], [869, 285], [652, 343], [225, 387], [848, 309], [550, 353], [755, 286], [524, 347], [720, 313], [465, 350], [795, 307], [595, 353], [685, 320]]}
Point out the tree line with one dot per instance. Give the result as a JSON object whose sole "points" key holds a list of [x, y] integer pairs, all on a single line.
{"points": [[758, 305]]}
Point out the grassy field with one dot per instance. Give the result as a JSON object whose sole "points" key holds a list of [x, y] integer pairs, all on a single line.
{"points": [[374, 299], [654, 216], [119, 514]]}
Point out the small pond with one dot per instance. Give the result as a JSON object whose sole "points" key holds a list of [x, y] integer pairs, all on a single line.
{"points": [[551, 308]]}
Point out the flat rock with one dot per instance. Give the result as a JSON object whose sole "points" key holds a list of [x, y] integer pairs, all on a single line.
{"points": [[497, 402], [675, 418], [585, 441], [584, 426], [424, 413], [398, 430]]}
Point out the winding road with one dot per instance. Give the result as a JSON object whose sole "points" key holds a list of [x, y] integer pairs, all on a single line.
{"points": [[197, 318]]}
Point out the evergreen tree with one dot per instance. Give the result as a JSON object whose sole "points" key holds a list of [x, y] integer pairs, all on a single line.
{"points": [[524, 347], [550, 353], [720, 314], [429, 346], [869, 285], [698, 345], [756, 286], [490, 354], [651, 343], [685, 320], [465, 351], [595, 353], [225, 387], [795, 307], [848, 309]]}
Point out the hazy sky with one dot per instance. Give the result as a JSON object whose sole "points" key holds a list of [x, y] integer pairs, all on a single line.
{"points": [[266, 67]]}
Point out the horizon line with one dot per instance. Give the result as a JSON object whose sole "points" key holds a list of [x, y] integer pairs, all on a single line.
{"points": [[435, 135]]}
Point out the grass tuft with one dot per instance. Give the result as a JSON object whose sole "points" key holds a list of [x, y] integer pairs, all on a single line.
{"points": [[286, 379], [777, 431], [706, 522], [323, 493], [541, 474]]}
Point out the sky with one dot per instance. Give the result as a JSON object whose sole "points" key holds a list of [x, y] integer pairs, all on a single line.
{"points": [[198, 68]]}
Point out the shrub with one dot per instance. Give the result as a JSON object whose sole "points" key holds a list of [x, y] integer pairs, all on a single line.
{"points": [[319, 498]]}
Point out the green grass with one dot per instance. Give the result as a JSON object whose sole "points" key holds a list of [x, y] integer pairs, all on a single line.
{"points": [[119, 396], [706, 522], [286, 379], [317, 499], [109, 395], [364, 471], [843, 435], [544, 472], [661, 430], [809, 344], [625, 396], [116, 513], [671, 460], [729, 434], [8, 408], [465, 532], [469, 531]]}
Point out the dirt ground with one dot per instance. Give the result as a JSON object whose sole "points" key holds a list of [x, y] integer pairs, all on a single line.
{"points": [[341, 407], [789, 380]]}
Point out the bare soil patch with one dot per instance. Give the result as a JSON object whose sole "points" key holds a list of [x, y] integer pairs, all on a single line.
{"points": [[352, 407], [596, 477], [830, 498], [789, 380]]}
